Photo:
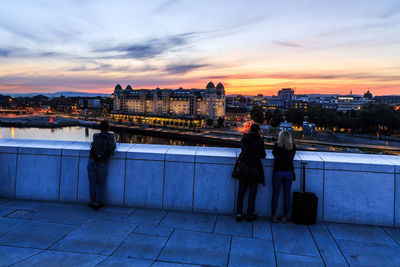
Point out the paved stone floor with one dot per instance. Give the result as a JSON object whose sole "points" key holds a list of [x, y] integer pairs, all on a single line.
{"points": [[34, 233]]}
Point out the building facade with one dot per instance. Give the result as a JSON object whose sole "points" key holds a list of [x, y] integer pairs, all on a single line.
{"points": [[206, 103], [286, 94], [392, 100], [351, 102]]}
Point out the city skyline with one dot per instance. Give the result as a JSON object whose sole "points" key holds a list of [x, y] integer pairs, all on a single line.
{"points": [[252, 47]]}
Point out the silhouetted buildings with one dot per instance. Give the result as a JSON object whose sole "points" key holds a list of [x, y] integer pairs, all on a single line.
{"points": [[286, 94]]}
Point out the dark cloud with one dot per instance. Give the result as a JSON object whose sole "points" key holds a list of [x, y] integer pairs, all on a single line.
{"points": [[288, 44], [339, 76], [183, 68], [148, 49], [313, 76], [25, 53], [49, 54], [5, 52], [54, 83], [101, 67]]}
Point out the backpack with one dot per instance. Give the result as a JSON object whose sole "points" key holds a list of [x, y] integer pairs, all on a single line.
{"points": [[101, 147]]}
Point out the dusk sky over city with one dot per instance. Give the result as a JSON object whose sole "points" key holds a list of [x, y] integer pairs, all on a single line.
{"points": [[250, 46]]}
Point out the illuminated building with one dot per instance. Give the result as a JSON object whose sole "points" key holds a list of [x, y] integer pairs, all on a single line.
{"points": [[286, 94], [181, 103], [351, 102]]}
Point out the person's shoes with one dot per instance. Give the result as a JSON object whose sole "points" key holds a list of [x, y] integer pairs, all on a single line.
{"points": [[252, 218], [274, 219], [97, 207], [240, 217], [92, 205], [284, 219]]}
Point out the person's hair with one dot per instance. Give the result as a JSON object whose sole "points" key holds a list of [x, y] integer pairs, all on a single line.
{"points": [[285, 140], [104, 126], [255, 128]]}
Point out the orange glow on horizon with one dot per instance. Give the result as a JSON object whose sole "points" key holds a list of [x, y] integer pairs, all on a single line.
{"points": [[233, 85]]}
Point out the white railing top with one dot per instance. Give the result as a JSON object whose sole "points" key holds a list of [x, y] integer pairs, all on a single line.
{"points": [[217, 155]]}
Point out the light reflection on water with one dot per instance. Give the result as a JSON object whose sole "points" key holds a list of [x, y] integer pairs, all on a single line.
{"points": [[78, 133]]}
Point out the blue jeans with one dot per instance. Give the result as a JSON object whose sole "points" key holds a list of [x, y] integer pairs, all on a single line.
{"points": [[278, 178], [97, 174]]}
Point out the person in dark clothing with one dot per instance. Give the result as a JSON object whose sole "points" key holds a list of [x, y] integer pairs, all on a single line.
{"points": [[102, 147], [283, 152], [253, 151]]}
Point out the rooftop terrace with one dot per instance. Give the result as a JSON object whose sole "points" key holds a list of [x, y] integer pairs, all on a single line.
{"points": [[173, 206], [35, 233]]}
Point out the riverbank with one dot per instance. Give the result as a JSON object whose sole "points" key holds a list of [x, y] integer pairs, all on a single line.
{"points": [[213, 137], [39, 122]]}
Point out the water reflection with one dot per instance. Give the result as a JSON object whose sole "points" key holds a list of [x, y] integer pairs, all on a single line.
{"points": [[78, 133], [143, 139]]}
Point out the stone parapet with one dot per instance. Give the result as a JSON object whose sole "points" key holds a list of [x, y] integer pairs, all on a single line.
{"points": [[351, 188]]}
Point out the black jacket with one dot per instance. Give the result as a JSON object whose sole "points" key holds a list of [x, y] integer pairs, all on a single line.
{"points": [[283, 158], [253, 151]]}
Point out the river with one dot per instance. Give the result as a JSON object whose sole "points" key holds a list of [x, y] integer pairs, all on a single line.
{"points": [[79, 133]]}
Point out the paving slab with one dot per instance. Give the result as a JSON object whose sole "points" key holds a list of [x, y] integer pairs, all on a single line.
{"points": [[370, 254], [114, 209], [292, 260], [362, 233], [196, 248], [61, 214], [61, 259], [96, 236], [229, 226], [154, 230], [5, 201], [34, 234], [7, 224], [22, 204], [115, 261], [394, 233], [110, 216], [327, 247], [294, 239], [172, 264], [147, 216], [190, 221], [12, 255], [4, 211], [262, 229], [251, 252], [141, 246]]}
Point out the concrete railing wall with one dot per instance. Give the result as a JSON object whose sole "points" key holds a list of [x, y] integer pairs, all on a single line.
{"points": [[353, 188]]}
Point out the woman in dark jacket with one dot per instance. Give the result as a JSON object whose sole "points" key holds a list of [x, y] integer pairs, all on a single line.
{"points": [[253, 151], [283, 151]]}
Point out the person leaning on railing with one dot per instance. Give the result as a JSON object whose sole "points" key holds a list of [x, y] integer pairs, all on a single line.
{"points": [[283, 173], [102, 147], [249, 171]]}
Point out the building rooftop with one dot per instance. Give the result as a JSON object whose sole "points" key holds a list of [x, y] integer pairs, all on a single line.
{"points": [[61, 234]]}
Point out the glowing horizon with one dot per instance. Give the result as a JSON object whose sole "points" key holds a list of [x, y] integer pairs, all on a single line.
{"points": [[251, 47]]}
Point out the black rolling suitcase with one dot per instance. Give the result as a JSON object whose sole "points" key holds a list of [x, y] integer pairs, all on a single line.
{"points": [[305, 204]]}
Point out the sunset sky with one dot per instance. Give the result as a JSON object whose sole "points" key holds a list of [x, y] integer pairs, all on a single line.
{"points": [[315, 46]]}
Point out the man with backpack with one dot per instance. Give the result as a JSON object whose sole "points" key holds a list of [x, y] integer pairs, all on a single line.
{"points": [[102, 147]]}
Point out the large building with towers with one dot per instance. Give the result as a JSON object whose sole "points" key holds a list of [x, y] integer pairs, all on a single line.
{"points": [[187, 104]]}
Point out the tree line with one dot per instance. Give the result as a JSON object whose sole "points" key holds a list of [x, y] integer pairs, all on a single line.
{"points": [[370, 118]]}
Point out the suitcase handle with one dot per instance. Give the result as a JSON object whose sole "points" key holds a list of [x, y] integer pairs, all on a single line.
{"points": [[303, 176]]}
